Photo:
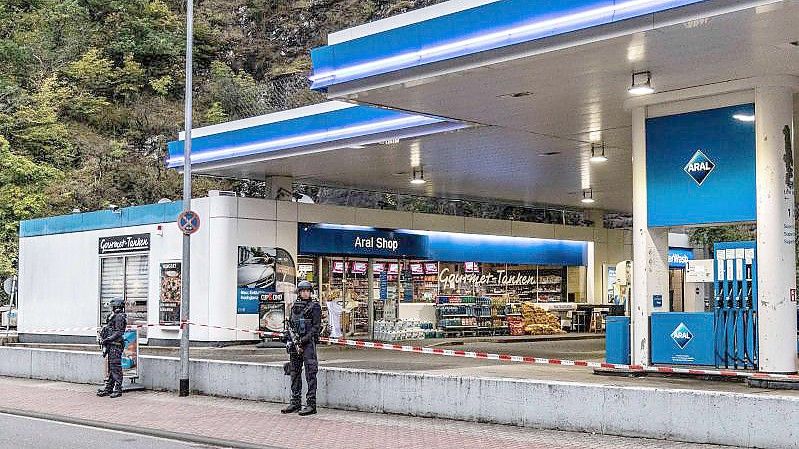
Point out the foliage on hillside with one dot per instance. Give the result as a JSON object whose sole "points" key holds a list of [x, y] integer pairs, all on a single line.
{"points": [[91, 90]]}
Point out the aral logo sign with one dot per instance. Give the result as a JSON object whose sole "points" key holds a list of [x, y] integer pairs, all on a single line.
{"points": [[682, 336], [699, 167]]}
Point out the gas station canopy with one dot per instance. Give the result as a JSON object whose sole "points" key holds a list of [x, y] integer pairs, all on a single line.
{"points": [[504, 99]]}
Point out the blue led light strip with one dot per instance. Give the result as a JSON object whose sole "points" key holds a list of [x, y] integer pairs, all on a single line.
{"points": [[339, 71], [306, 139]]}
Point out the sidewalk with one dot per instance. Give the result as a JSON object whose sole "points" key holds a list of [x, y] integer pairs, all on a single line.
{"points": [[260, 423]]}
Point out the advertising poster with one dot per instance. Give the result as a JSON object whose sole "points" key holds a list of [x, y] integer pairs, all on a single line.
{"points": [[431, 268], [169, 305], [262, 271], [407, 285], [130, 353], [285, 275], [305, 270], [383, 285], [272, 312], [255, 277]]}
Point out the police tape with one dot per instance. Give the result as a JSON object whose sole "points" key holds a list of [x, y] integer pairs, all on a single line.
{"points": [[364, 344], [526, 359]]}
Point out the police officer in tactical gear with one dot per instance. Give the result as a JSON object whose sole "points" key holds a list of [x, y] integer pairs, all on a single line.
{"points": [[305, 322], [111, 338]]}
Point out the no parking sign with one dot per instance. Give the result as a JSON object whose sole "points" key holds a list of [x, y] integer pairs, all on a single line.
{"points": [[189, 222]]}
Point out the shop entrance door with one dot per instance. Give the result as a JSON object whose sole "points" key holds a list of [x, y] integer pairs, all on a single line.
{"points": [[677, 289]]}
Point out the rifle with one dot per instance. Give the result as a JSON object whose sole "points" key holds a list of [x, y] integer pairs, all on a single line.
{"points": [[101, 335], [292, 340]]}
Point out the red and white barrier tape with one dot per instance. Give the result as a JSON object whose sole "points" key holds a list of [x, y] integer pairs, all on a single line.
{"points": [[486, 355]]}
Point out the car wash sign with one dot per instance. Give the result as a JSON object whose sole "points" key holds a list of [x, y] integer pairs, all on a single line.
{"points": [[122, 244], [700, 167], [679, 257]]}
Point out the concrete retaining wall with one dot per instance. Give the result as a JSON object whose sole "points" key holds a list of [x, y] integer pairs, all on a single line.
{"points": [[750, 420]]}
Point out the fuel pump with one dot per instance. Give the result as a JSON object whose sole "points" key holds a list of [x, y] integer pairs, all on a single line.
{"points": [[734, 306]]}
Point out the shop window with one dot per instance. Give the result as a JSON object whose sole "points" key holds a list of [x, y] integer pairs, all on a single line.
{"points": [[128, 277]]}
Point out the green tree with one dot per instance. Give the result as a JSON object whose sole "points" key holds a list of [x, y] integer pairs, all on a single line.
{"points": [[24, 188], [707, 236], [91, 91]]}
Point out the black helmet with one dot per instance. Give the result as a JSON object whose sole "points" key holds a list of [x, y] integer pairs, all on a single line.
{"points": [[117, 303], [304, 285]]}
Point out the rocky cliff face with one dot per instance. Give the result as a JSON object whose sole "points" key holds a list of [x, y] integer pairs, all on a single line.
{"points": [[273, 38]]}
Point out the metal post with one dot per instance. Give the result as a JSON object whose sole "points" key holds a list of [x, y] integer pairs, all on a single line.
{"points": [[185, 266], [11, 302], [370, 274]]}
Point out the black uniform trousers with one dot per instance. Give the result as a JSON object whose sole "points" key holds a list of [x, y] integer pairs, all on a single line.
{"points": [[307, 358], [115, 364]]}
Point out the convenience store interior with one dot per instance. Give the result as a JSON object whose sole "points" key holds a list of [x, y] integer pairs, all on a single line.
{"points": [[417, 299]]}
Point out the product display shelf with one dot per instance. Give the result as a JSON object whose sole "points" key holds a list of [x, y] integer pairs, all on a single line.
{"points": [[456, 315], [485, 314]]}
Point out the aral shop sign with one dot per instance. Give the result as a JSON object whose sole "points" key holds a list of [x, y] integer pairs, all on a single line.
{"points": [[121, 244], [358, 241], [376, 243], [448, 279]]}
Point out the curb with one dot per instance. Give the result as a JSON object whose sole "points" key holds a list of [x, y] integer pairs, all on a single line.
{"points": [[156, 433], [529, 339]]}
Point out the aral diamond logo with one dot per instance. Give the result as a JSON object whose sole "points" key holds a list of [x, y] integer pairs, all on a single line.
{"points": [[682, 336], [699, 167]]}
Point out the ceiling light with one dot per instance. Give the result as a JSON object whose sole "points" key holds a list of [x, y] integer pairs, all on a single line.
{"points": [[418, 176], [744, 117], [588, 196], [642, 83], [598, 152]]}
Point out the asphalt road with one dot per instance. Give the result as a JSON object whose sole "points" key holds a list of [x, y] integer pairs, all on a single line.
{"points": [[17, 432]]}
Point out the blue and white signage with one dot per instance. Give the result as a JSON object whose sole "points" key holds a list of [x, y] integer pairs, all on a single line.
{"points": [[445, 246], [683, 338], [700, 167], [678, 257], [682, 335]]}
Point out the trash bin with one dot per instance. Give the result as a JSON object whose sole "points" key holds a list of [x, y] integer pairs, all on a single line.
{"points": [[617, 340]]}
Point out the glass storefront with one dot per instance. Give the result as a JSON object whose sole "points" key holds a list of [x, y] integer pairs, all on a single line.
{"points": [[437, 298]]}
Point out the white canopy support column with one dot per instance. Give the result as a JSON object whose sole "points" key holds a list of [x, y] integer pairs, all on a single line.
{"points": [[776, 250], [650, 251]]}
